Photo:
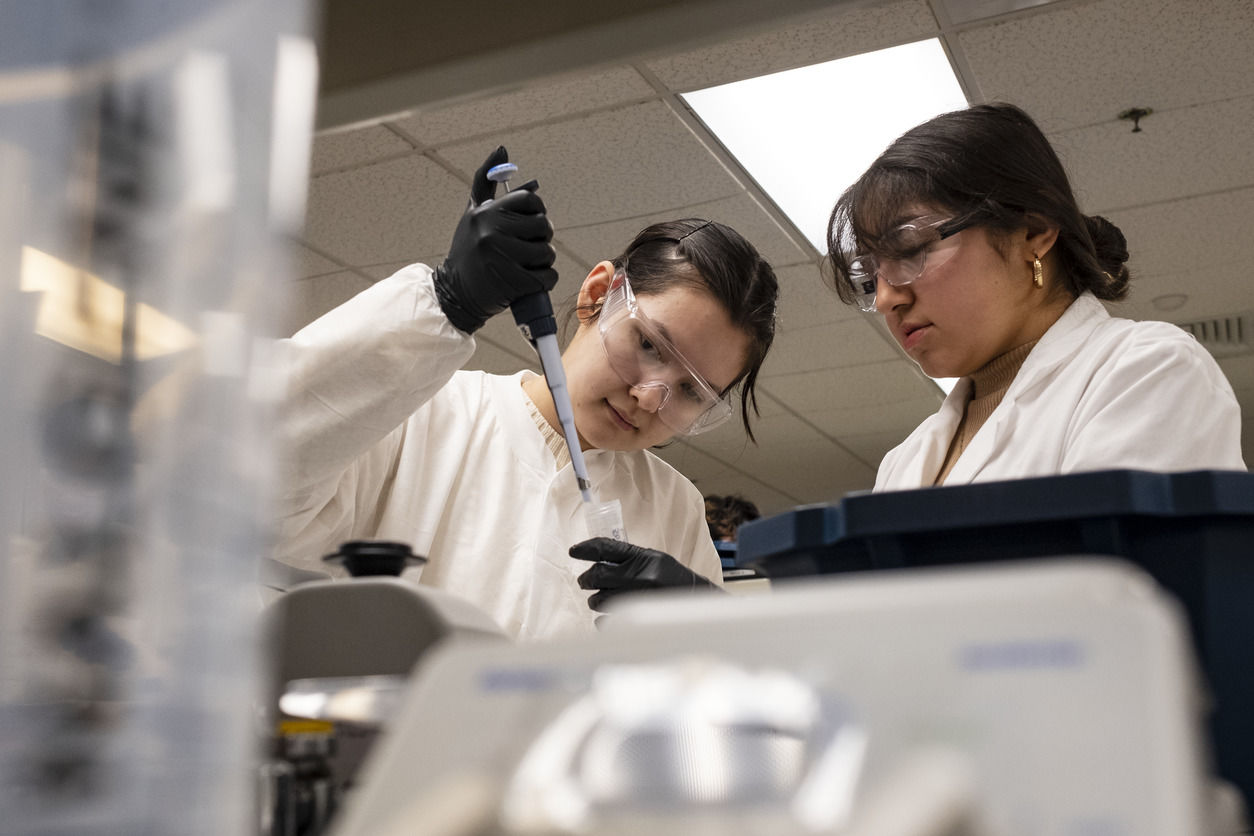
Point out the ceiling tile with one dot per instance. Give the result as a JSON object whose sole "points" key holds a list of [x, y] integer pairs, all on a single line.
{"points": [[306, 263], [805, 301], [791, 457], [847, 423], [594, 242], [385, 212], [693, 462], [767, 500], [565, 294], [346, 149], [570, 274], [379, 272], [1113, 167], [1240, 373], [490, 357], [1223, 291], [1084, 63], [1187, 246], [797, 460], [871, 447], [627, 163], [848, 342], [712, 476], [969, 11], [871, 385], [528, 106], [841, 33], [309, 299], [503, 335]]}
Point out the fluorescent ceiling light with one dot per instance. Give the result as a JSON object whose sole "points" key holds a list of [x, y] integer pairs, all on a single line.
{"points": [[84, 312], [806, 134]]}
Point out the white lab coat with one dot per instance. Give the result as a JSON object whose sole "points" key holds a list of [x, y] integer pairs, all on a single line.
{"points": [[386, 439], [1096, 392]]}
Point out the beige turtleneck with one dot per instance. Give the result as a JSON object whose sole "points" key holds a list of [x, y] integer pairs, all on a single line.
{"points": [[988, 385]]}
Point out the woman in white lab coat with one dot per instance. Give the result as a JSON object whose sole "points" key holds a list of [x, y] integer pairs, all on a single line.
{"points": [[387, 439], [966, 237]]}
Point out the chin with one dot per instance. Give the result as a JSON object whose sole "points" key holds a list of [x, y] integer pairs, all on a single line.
{"points": [[932, 368]]}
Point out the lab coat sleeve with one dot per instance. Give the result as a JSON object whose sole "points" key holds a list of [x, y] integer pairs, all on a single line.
{"points": [[355, 379], [354, 375], [1160, 403]]}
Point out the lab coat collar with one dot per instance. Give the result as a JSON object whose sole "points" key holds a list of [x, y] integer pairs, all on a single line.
{"points": [[1059, 344], [526, 439], [935, 433]]}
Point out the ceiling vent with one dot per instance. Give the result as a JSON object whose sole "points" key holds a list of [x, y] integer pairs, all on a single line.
{"points": [[1224, 336]]}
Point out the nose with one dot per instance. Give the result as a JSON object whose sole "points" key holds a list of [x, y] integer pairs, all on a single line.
{"points": [[650, 396], [888, 296]]}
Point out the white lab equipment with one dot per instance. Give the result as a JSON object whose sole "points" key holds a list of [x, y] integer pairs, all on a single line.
{"points": [[342, 655], [1050, 699]]}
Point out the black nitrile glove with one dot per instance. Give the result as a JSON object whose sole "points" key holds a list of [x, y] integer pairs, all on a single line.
{"points": [[621, 567], [500, 252]]}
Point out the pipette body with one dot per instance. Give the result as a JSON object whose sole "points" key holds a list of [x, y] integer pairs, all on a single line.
{"points": [[534, 316]]}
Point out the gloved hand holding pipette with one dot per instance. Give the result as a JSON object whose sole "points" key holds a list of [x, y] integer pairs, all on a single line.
{"points": [[500, 251]]}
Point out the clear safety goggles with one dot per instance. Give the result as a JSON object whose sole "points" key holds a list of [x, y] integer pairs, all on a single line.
{"points": [[645, 359], [909, 251]]}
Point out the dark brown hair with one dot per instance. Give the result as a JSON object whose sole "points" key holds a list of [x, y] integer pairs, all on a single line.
{"points": [[716, 258], [990, 165]]}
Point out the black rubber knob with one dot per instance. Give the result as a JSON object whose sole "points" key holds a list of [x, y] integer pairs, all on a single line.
{"points": [[375, 557]]}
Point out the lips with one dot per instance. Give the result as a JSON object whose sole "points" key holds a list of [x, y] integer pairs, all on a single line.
{"points": [[621, 421], [911, 335]]}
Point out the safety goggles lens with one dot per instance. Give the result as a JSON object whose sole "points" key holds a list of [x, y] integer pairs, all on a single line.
{"points": [[910, 250], [644, 359]]}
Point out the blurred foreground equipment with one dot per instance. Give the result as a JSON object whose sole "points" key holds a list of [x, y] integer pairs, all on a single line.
{"points": [[342, 654], [1043, 699], [152, 157]]}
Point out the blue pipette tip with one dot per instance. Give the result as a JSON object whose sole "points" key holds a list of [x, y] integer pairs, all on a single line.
{"points": [[501, 173]]}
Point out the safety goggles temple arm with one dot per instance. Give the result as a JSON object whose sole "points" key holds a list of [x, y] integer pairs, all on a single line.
{"points": [[983, 212]]}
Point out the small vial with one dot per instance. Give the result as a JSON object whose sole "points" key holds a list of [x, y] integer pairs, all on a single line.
{"points": [[605, 519]]}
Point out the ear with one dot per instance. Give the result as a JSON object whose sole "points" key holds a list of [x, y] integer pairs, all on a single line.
{"points": [[594, 288], [1041, 236]]}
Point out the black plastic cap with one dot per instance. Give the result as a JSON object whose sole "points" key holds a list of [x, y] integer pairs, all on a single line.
{"points": [[362, 558]]}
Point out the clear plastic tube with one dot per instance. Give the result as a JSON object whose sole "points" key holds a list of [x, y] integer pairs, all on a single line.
{"points": [[142, 208]]}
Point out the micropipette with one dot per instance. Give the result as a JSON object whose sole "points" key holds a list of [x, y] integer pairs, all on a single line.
{"points": [[534, 315]]}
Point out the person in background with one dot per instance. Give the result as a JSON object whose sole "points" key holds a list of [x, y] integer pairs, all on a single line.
{"points": [[724, 514], [966, 237], [386, 438]]}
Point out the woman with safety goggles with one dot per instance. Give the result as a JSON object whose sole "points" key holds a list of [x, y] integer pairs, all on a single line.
{"points": [[966, 237], [388, 439]]}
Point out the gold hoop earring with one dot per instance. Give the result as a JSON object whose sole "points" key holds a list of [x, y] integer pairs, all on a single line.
{"points": [[1038, 273]]}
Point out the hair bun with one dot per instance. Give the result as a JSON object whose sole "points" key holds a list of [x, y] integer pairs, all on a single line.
{"points": [[1108, 242]]}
